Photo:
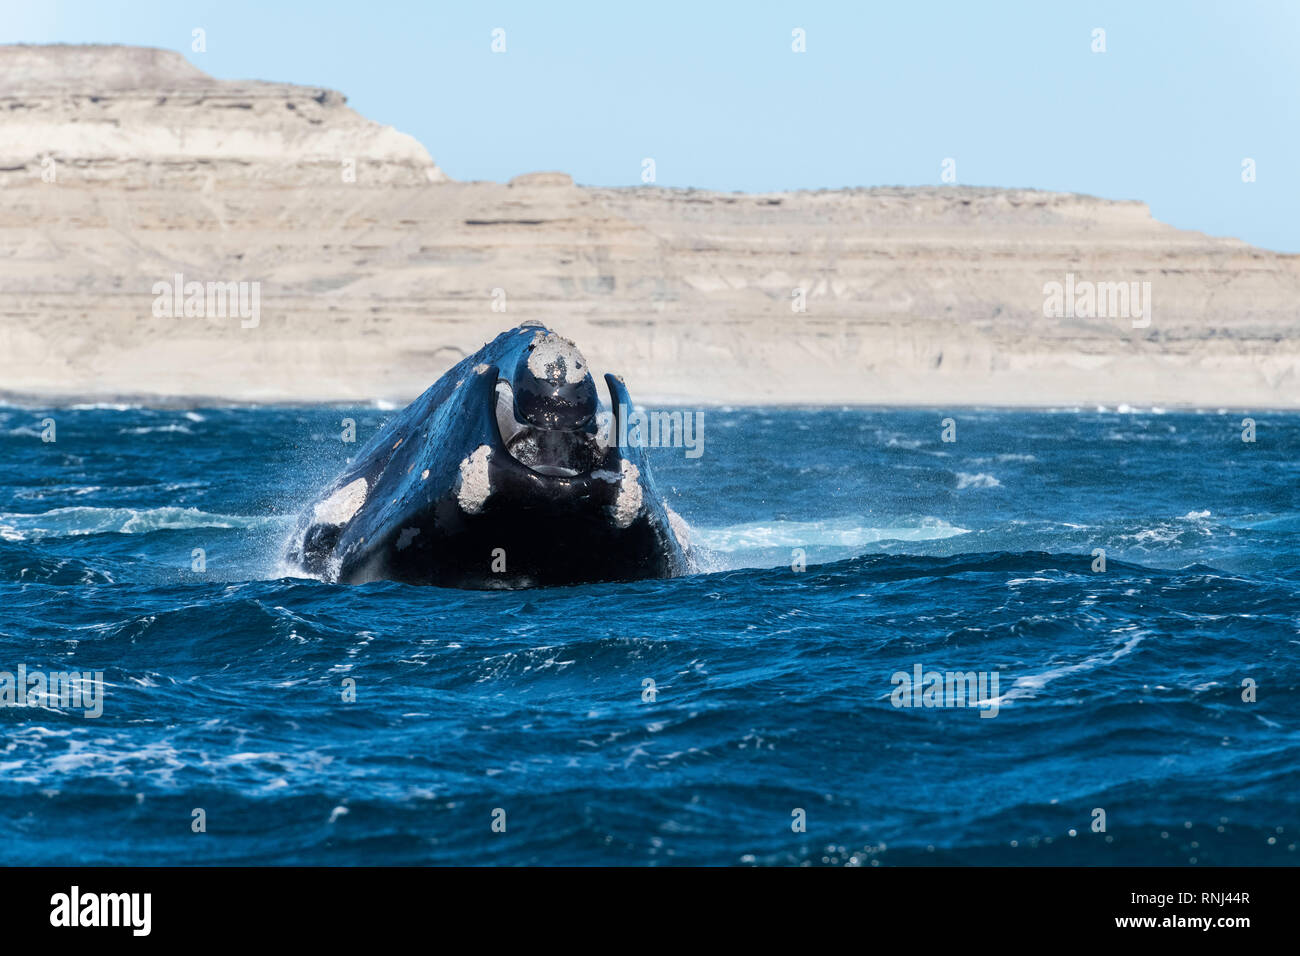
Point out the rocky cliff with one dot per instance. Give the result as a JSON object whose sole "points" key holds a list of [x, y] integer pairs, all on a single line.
{"points": [[122, 168]]}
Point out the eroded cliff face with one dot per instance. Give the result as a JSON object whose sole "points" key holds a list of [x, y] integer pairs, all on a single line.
{"points": [[370, 285], [140, 118]]}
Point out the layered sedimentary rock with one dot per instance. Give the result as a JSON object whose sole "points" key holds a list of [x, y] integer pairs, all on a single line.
{"points": [[369, 285], [140, 118]]}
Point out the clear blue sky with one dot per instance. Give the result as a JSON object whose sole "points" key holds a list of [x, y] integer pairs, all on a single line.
{"points": [[885, 92]]}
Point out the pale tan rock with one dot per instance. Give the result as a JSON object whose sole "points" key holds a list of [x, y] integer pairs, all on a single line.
{"points": [[371, 289], [542, 179], [145, 118]]}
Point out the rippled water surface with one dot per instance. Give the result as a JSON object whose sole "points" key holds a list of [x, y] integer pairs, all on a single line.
{"points": [[1119, 690]]}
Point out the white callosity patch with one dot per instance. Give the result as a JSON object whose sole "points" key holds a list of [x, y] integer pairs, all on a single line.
{"points": [[406, 537], [551, 351], [339, 507], [627, 505], [474, 483]]}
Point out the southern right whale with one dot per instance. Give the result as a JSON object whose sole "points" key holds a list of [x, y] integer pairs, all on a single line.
{"points": [[499, 475]]}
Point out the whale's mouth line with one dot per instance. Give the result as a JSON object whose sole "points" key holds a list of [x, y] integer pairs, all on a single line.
{"points": [[562, 454]]}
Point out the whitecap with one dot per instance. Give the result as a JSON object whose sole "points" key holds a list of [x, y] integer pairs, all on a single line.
{"points": [[831, 532], [1030, 685], [76, 521], [981, 480], [151, 429]]}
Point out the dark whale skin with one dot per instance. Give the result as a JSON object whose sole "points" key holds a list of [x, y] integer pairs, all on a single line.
{"points": [[422, 520]]}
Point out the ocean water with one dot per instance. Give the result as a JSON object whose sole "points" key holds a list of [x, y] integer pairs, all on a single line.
{"points": [[1162, 691]]}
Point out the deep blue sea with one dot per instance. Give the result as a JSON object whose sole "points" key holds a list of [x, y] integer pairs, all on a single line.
{"points": [[771, 735]]}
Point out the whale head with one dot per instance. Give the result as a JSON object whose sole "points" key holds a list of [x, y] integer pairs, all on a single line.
{"points": [[502, 474]]}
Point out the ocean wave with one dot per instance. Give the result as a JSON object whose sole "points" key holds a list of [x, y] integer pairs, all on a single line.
{"points": [[981, 480], [73, 522], [833, 532], [1031, 685], [152, 429]]}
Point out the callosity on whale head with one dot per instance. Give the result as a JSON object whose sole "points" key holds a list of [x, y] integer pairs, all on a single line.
{"points": [[504, 473]]}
